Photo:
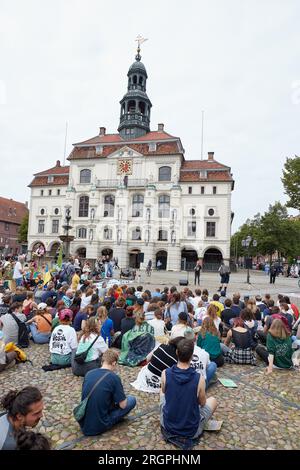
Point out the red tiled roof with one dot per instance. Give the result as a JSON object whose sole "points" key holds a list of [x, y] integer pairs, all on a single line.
{"points": [[202, 165], [167, 148], [12, 211], [60, 180], [115, 138], [56, 170], [192, 176]]}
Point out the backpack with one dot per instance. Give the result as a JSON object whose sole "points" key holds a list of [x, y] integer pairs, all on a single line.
{"points": [[23, 335]]}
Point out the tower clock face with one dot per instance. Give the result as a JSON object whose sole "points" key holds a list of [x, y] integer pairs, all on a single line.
{"points": [[125, 167]]}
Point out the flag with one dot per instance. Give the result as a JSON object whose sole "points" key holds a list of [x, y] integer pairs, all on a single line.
{"points": [[47, 277], [60, 257]]}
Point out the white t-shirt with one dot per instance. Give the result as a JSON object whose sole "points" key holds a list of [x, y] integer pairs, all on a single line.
{"points": [[178, 330], [195, 300], [158, 325], [85, 301], [17, 270], [200, 360], [200, 313], [63, 340], [98, 348]]}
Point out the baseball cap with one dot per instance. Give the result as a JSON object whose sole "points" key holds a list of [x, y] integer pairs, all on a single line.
{"points": [[42, 306], [65, 314]]}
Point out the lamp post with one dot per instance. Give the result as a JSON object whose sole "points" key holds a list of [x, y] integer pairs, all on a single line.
{"points": [[246, 244]]}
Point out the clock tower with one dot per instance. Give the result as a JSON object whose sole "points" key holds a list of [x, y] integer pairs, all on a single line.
{"points": [[135, 105]]}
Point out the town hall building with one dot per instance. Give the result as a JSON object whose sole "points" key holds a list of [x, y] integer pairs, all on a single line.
{"points": [[134, 196]]}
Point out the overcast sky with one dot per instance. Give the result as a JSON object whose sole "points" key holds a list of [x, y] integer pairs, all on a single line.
{"points": [[238, 60]]}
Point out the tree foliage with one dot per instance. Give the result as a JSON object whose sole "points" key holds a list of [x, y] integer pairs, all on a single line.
{"points": [[291, 181], [274, 232], [23, 230]]}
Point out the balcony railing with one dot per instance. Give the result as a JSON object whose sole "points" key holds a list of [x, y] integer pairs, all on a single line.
{"points": [[113, 184]]}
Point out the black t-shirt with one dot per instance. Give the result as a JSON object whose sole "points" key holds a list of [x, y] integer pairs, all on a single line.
{"points": [[162, 358], [241, 340], [127, 324], [227, 314], [116, 315]]}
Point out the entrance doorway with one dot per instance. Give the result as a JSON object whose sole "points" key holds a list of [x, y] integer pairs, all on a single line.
{"points": [[212, 259], [134, 259], [81, 253], [188, 259], [107, 252], [162, 256]]}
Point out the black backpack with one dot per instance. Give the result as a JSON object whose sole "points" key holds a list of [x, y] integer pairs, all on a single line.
{"points": [[23, 335]]}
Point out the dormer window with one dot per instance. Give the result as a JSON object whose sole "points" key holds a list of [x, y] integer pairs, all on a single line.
{"points": [[50, 179], [203, 174], [99, 149], [152, 147]]}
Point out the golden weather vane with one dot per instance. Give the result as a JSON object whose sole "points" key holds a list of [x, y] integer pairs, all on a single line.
{"points": [[140, 41]]}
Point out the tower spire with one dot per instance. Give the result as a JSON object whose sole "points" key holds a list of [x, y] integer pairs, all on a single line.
{"points": [[140, 41]]}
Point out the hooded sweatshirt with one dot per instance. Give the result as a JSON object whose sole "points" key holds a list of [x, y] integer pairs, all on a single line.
{"points": [[181, 411]]}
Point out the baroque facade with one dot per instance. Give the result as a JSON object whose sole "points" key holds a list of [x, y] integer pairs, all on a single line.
{"points": [[134, 193]]}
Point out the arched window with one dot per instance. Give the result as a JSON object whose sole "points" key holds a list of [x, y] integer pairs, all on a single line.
{"points": [[83, 206], [109, 205], [164, 206], [85, 176], [81, 233], [141, 81], [107, 233], [142, 107], [164, 173], [136, 234], [162, 235], [134, 79], [131, 106], [137, 205]]}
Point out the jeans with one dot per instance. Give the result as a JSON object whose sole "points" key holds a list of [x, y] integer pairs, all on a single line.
{"points": [[39, 338], [118, 414], [19, 281], [210, 372]]}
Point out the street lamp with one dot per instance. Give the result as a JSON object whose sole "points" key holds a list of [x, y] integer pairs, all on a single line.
{"points": [[246, 244]]}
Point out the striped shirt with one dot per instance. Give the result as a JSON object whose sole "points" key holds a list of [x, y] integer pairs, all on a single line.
{"points": [[162, 358]]}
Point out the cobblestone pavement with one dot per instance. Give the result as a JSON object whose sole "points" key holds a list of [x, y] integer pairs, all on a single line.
{"points": [[262, 413]]}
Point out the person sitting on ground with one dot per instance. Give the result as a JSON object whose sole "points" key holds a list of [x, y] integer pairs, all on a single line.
{"points": [[274, 313], [92, 339], [20, 295], [235, 307], [10, 327], [209, 340], [227, 315], [212, 312], [181, 325], [108, 404], [260, 304], [63, 340], [240, 302], [200, 312], [287, 313], [23, 409], [219, 306], [86, 298], [75, 280], [81, 318], [7, 359], [267, 311], [279, 347], [117, 313], [29, 305], [184, 418], [196, 298], [251, 324], [242, 352], [30, 440], [200, 360], [158, 324], [251, 305], [49, 293], [162, 357], [5, 306], [149, 314], [173, 309], [40, 325], [107, 326]]}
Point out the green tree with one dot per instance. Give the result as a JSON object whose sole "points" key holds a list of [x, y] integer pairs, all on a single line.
{"points": [[291, 181], [23, 230]]}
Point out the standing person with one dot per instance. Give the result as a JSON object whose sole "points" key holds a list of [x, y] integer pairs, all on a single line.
{"points": [[108, 403], [197, 270], [23, 409], [184, 418], [273, 274], [158, 264], [18, 272], [224, 273], [149, 267]]}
